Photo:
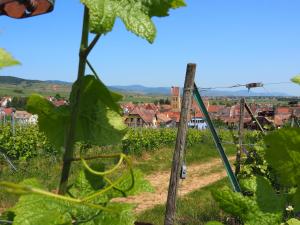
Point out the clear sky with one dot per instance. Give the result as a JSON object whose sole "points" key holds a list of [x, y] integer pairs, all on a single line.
{"points": [[232, 41]]}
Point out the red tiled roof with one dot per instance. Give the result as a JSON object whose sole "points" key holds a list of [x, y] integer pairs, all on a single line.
{"points": [[215, 108], [146, 115], [59, 102], [173, 115], [283, 110], [280, 118], [198, 114], [161, 117], [7, 111]]}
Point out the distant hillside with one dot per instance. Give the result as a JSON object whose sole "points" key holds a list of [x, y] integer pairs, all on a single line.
{"points": [[14, 86], [139, 89], [15, 80], [9, 85]]}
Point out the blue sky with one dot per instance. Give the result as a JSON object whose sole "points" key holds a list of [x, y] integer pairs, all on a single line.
{"points": [[233, 41]]}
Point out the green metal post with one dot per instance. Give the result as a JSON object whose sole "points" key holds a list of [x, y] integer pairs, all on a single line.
{"points": [[233, 180]]}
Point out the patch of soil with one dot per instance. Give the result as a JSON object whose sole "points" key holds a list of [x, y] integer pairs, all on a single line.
{"points": [[199, 176]]}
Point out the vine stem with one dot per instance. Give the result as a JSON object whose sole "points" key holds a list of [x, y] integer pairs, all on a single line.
{"points": [[71, 132]]}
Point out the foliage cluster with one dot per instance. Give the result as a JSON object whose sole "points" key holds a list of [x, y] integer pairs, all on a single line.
{"points": [[88, 200], [6, 59], [18, 103], [270, 182], [143, 139], [26, 142]]}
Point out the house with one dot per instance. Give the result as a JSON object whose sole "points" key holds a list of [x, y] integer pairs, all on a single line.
{"points": [[141, 117], [5, 101], [165, 108], [164, 121], [174, 116], [57, 102], [264, 122], [127, 107], [282, 115], [60, 102], [215, 111], [23, 117]]}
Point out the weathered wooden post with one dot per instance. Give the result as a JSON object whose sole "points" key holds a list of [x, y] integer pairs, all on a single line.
{"points": [[180, 144], [254, 118], [241, 134]]}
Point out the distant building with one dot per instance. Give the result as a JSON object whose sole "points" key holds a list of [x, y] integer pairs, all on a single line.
{"points": [[23, 117], [141, 117], [198, 123], [175, 99], [5, 101]]}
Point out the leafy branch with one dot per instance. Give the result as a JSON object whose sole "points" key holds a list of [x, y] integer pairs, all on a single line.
{"points": [[26, 189], [6, 59]]}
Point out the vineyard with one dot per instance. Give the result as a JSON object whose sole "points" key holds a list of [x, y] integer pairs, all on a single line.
{"points": [[82, 165]]}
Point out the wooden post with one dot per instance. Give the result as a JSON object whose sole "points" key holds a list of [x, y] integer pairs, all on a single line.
{"points": [[241, 133], [180, 144], [293, 118], [254, 118]]}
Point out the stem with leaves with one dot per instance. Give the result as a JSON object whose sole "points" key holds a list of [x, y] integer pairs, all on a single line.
{"points": [[85, 49]]}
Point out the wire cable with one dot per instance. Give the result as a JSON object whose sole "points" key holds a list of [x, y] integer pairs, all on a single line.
{"points": [[242, 85]]}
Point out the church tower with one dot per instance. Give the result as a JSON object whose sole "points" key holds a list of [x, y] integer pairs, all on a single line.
{"points": [[175, 99]]}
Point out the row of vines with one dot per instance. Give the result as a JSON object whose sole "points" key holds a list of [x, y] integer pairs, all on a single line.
{"points": [[26, 141], [269, 179]]}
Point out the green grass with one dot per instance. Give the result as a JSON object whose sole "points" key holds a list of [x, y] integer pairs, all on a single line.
{"points": [[161, 159], [47, 169], [44, 89], [196, 208]]}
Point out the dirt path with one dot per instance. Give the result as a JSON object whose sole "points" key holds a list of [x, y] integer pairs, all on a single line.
{"points": [[199, 176]]}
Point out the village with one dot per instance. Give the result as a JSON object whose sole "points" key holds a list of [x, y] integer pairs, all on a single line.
{"points": [[156, 115]]}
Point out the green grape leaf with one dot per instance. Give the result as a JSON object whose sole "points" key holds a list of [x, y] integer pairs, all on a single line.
{"points": [[296, 79], [267, 199], [296, 200], [6, 59], [124, 217], [34, 209], [214, 223], [245, 208], [293, 222], [140, 185], [249, 184], [234, 203], [283, 154], [88, 183], [52, 120], [161, 8], [136, 14], [98, 121]]}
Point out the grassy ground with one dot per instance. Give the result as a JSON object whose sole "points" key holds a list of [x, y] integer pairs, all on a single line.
{"points": [[47, 169], [196, 208], [40, 88], [161, 159]]}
